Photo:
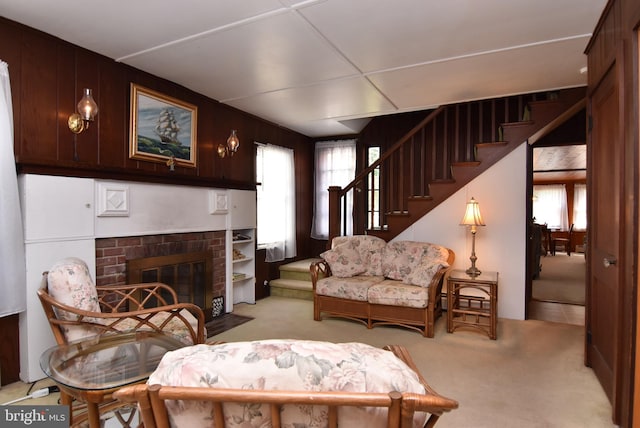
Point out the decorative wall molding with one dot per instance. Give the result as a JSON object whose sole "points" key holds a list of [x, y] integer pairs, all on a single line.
{"points": [[218, 202], [113, 200]]}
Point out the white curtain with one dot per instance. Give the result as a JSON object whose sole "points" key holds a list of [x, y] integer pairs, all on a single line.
{"points": [[335, 165], [276, 196], [580, 206], [12, 259], [550, 206]]}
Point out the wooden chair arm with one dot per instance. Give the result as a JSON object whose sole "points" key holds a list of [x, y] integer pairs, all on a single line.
{"points": [[433, 403], [319, 270], [114, 322], [437, 282]]}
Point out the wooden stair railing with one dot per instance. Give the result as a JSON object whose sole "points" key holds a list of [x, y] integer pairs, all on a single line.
{"points": [[444, 152]]}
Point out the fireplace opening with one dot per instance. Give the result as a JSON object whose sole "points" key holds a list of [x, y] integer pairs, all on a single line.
{"points": [[190, 275]]}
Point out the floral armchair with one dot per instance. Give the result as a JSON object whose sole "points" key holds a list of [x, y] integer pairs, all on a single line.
{"points": [[77, 309]]}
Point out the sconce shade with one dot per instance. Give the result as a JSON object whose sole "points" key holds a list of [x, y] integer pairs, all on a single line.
{"points": [[87, 111], [233, 143], [87, 106], [472, 216]]}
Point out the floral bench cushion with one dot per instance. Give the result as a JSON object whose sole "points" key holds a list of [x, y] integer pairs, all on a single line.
{"points": [[297, 365], [354, 288]]}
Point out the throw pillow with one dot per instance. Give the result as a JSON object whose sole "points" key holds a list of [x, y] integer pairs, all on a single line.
{"points": [[423, 274], [344, 261], [400, 257], [433, 259]]}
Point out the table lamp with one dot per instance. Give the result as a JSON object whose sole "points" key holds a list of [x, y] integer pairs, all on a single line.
{"points": [[473, 218]]}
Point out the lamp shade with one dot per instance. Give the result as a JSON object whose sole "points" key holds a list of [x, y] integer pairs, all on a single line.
{"points": [[472, 216]]}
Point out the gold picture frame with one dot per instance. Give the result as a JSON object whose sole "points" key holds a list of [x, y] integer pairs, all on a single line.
{"points": [[162, 128]]}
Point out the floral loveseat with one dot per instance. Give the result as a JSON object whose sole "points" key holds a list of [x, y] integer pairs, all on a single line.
{"points": [[365, 278], [287, 383]]}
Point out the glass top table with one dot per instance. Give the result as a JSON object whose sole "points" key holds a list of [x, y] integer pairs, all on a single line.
{"points": [[92, 368]]}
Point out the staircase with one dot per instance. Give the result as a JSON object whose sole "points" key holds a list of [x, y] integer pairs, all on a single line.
{"points": [[294, 281], [449, 148]]}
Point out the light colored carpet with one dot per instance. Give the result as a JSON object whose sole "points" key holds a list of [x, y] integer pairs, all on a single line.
{"points": [[532, 376], [562, 279]]}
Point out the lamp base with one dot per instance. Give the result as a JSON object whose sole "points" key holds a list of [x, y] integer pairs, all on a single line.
{"points": [[473, 271]]}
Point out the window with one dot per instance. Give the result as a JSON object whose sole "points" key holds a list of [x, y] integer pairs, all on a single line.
{"points": [[580, 206], [276, 199], [550, 206], [335, 165]]}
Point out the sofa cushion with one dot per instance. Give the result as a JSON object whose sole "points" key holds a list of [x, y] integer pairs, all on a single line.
{"points": [[395, 293], [298, 365], [344, 260], [354, 288], [370, 249]]}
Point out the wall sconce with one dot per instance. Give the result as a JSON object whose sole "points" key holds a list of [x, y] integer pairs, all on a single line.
{"points": [[231, 147], [473, 218], [87, 110]]}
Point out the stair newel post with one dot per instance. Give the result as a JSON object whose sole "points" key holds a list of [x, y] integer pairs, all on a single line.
{"points": [[334, 212]]}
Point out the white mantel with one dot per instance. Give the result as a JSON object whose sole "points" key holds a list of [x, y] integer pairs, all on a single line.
{"points": [[63, 216]]}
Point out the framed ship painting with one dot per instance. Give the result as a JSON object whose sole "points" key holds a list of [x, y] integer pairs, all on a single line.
{"points": [[162, 129]]}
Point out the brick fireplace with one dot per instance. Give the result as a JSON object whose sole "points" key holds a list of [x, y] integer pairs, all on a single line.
{"points": [[112, 254], [109, 223]]}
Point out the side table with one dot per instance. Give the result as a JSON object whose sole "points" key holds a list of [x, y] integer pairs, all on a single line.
{"points": [[90, 370], [478, 310]]}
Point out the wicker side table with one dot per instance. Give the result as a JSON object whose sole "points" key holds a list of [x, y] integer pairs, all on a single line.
{"points": [[477, 310]]}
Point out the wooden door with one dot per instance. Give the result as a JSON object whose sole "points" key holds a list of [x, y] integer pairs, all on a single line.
{"points": [[604, 308]]}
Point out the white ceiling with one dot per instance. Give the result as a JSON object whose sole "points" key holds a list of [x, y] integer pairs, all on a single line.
{"points": [[320, 67], [560, 163]]}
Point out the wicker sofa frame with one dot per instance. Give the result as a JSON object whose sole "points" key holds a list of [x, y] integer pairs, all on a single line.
{"points": [[418, 319]]}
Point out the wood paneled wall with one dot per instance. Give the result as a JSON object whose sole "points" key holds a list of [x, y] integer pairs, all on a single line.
{"points": [[47, 76]]}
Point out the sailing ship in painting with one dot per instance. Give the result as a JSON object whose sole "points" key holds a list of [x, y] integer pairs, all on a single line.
{"points": [[167, 127]]}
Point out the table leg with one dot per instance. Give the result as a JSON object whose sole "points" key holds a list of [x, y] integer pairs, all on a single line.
{"points": [[94, 415]]}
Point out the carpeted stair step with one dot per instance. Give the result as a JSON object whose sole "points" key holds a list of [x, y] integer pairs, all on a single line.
{"points": [[298, 270], [291, 288], [294, 281]]}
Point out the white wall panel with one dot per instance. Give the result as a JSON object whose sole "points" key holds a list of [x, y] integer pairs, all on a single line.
{"points": [[501, 244]]}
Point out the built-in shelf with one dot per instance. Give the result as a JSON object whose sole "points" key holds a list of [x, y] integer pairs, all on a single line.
{"points": [[242, 257]]}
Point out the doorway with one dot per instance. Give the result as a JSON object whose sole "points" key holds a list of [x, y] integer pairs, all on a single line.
{"points": [[557, 201]]}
